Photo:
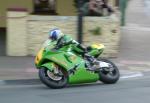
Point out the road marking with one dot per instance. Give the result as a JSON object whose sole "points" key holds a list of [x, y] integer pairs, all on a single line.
{"points": [[140, 69], [136, 27], [131, 76], [127, 62], [124, 75]]}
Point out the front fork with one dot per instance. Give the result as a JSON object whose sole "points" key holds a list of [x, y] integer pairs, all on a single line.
{"points": [[94, 64]]}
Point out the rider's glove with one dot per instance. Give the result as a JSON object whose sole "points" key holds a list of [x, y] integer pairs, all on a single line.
{"points": [[83, 48]]}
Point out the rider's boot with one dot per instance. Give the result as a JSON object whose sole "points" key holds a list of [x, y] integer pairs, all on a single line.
{"points": [[91, 63]]}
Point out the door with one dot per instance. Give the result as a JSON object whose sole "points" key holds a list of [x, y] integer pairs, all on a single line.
{"points": [[2, 41]]}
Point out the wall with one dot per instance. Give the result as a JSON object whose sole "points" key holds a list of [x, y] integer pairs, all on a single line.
{"points": [[34, 31], [17, 33]]}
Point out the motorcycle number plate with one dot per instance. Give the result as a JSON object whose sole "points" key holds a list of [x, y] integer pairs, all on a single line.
{"points": [[103, 64]]}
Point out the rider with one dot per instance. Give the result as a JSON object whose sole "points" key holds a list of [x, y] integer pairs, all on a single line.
{"points": [[62, 39]]}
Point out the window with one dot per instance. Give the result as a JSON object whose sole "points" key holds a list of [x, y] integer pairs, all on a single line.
{"points": [[45, 7]]}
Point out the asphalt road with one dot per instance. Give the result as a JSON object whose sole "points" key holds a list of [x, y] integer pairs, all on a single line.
{"points": [[131, 90]]}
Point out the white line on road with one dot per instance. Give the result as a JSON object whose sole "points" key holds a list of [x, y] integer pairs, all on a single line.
{"points": [[124, 76], [131, 76], [147, 29]]}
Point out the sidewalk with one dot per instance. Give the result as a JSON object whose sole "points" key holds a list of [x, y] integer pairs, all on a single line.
{"points": [[22, 68], [17, 68], [137, 13], [135, 50], [135, 36]]}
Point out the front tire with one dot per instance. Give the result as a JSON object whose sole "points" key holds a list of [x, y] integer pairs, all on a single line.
{"points": [[55, 83], [106, 77]]}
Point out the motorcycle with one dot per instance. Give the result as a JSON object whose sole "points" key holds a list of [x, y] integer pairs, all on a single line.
{"points": [[62, 66]]}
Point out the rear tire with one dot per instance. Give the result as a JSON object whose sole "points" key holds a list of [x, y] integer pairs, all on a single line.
{"points": [[55, 84], [107, 78]]}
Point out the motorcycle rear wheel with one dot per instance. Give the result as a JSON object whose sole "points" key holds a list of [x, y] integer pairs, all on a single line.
{"points": [[107, 77], [56, 82]]}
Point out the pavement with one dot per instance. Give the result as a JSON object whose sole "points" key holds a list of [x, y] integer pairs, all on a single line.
{"points": [[12, 68], [18, 68], [133, 59]]}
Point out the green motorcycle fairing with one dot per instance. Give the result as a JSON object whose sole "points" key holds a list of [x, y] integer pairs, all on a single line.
{"points": [[67, 59]]}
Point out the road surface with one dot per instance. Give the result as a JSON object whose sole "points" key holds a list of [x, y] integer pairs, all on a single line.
{"points": [[131, 90]]}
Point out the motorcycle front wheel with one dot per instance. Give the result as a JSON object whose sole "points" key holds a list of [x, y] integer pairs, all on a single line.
{"points": [[52, 80], [109, 75]]}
